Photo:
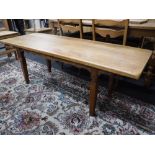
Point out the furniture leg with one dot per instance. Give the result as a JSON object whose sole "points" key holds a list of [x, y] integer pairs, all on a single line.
{"points": [[93, 91], [110, 85], [150, 72], [116, 83], [142, 44], [16, 56], [48, 65], [55, 30], [9, 54], [23, 65], [62, 65], [148, 77]]}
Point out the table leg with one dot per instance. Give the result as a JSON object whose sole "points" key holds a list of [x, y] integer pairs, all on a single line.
{"points": [[48, 65], [93, 91], [23, 65]]}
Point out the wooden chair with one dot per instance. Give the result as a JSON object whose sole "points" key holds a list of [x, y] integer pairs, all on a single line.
{"points": [[70, 26], [110, 29]]}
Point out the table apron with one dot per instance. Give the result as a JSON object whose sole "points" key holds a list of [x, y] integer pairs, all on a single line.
{"points": [[72, 63]]}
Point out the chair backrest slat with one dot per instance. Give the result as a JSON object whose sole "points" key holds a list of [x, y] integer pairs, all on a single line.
{"points": [[71, 25], [117, 23], [112, 33]]}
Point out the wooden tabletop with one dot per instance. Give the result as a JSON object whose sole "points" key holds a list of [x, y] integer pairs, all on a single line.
{"points": [[117, 59], [5, 34], [43, 29], [149, 25]]}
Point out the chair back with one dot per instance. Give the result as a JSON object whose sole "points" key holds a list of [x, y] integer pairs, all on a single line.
{"points": [[110, 28], [70, 25]]}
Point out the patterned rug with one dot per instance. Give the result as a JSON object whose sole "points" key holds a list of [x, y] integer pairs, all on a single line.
{"points": [[57, 103]]}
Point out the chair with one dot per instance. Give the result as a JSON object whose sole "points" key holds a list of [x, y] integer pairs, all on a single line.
{"points": [[9, 49], [68, 26], [110, 29]]}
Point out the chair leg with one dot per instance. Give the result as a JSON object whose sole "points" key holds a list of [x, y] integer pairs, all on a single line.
{"points": [[116, 83], [16, 56], [62, 66], [142, 44], [9, 55], [79, 71], [110, 85], [8, 48], [48, 65], [55, 30]]}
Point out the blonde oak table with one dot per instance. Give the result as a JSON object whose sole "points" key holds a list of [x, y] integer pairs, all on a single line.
{"points": [[95, 56]]}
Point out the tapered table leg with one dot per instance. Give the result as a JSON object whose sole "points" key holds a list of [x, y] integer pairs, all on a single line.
{"points": [[23, 65], [93, 91], [48, 65]]}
